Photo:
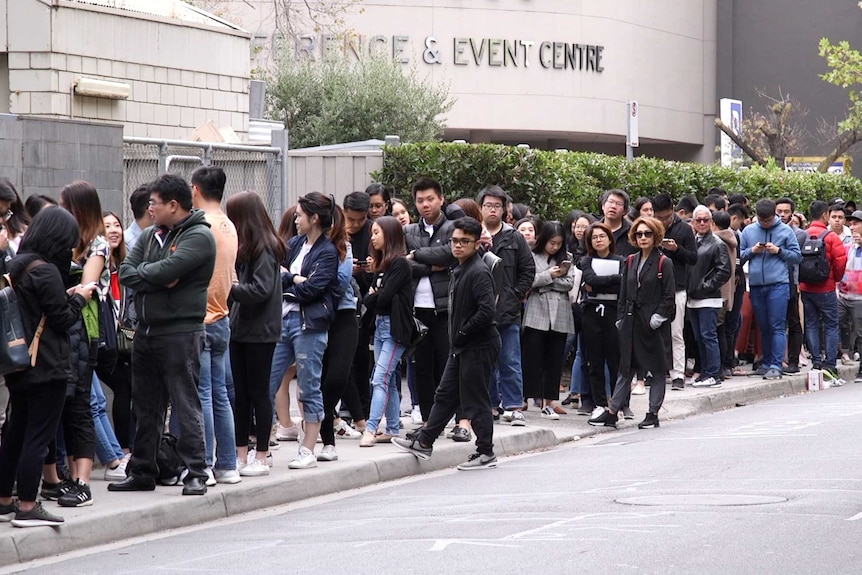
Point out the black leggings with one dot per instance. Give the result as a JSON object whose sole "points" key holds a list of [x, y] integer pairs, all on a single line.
{"points": [[251, 364], [602, 345], [542, 362], [343, 333], [120, 381], [79, 432]]}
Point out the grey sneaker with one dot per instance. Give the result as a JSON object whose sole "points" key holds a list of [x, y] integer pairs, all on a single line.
{"points": [[413, 446], [7, 512], [677, 384], [479, 461], [36, 517], [628, 413], [517, 419], [772, 374]]}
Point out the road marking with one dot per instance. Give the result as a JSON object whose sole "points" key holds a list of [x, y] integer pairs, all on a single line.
{"points": [[856, 517]]}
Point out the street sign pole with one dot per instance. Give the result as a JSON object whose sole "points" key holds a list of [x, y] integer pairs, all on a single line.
{"points": [[632, 142]]}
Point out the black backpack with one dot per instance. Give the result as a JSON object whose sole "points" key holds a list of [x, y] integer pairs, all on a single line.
{"points": [[814, 267], [168, 459]]}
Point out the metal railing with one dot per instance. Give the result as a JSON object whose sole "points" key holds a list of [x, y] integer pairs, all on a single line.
{"points": [[248, 168]]}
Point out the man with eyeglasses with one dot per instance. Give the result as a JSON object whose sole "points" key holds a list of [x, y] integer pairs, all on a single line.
{"points": [[507, 383], [615, 205], [679, 245], [769, 245], [705, 278], [472, 357]]}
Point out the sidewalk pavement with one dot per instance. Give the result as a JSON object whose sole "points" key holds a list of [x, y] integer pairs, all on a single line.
{"points": [[117, 516]]}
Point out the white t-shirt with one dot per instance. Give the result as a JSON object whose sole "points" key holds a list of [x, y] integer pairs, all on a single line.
{"points": [[424, 297], [296, 269]]}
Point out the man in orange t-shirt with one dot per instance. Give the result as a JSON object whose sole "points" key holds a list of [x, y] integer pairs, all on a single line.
{"points": [[207, 190]]}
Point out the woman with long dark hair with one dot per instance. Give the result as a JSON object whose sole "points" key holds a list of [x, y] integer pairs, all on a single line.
{"points": [[548, 319], [381, 204], [90, 256], [255, 301], [38, 394], [401, 211], [602, 274], [14, 218], [645, 310], [391, 299], [309, 282]]}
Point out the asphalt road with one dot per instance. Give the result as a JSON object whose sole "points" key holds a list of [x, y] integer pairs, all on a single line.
{"points": [[770, 488]]}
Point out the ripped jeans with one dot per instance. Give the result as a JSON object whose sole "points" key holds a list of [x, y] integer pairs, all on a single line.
{"points": [[305, 348]]}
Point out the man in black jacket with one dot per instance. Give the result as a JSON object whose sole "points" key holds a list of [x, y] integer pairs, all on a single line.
{"points": [[615, 205], [472, 357], [679, 245], [170, 270], [430, 258], [705, 279], [507, 383]]}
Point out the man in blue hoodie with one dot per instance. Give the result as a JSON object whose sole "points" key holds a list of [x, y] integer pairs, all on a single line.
{"points": [[770, 246]]}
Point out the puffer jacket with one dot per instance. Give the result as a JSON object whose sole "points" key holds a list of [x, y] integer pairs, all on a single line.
{"points": [[431, 251]]}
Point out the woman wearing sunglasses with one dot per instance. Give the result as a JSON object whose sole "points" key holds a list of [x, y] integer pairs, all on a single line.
{"points": [[645, 311]]}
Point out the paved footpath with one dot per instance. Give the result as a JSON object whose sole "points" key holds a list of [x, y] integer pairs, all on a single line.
{"points": [[117, 516]]}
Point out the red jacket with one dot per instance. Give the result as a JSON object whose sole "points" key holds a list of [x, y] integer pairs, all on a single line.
{"points": [[836, 254]]}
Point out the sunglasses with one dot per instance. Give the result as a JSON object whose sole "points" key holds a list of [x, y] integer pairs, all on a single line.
{"points": [[702, 220], [646, 234]]}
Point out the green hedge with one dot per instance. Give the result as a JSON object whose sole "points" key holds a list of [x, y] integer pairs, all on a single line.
{"points": [[553, 183]]}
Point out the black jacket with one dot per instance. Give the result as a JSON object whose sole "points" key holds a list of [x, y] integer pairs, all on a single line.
{"points": [[186, 256], [433, 250], [604, 289], [394, 297], [471, 307], [255, 302], [685, 254], [711, 271], [360, 242], [519, 269], [41, 291], [316, 295], [622, 246]]}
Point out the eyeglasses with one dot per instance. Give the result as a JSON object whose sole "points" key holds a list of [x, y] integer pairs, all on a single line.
{"points": [[644, 234], [702, 220], [152, 203], [616, 203], [461, 241], [495, 207], [7, 216], [600, 236]]}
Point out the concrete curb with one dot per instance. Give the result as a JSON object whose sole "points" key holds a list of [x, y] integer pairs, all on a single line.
{"points": [[117, 516]]}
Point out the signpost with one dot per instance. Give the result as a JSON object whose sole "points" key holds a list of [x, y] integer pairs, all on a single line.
{"points": [[632, 140]]}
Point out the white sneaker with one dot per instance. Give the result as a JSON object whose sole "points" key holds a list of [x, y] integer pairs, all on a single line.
{"points": [[283, 433], [118, 473], [229, 476], [328, 453], [344, 431], [416, 415], [517, 419], [211, 480], [597, 412], [548, 413], [255, 468], [304, 459], [708, 382]]}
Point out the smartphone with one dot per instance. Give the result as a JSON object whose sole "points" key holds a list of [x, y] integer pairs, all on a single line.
{"points": [[761, 244], [565, 265], [361, 263], [665, 241]]}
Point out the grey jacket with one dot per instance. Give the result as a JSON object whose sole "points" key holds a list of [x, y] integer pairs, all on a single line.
{"points": [[548, 307]]}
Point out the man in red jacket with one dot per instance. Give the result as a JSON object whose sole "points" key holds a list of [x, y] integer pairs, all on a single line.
{"points": [[819, 300]]}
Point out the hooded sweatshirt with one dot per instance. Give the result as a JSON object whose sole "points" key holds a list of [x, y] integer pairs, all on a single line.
{"points": [[764, 268], [729, 287]]}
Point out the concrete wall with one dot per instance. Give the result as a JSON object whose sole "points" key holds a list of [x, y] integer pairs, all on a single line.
{"points": [[182, 74], [41, 155]]}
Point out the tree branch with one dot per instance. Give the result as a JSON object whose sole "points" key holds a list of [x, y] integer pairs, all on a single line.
{"points": [[845, 140], [749, 151]]}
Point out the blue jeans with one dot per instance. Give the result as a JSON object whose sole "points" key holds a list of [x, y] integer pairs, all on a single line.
{"points": [[305, 348], [507, 382], [107, 447], [218, 415], [821, 307], [704, 325], [384, 388], [770, 311]]}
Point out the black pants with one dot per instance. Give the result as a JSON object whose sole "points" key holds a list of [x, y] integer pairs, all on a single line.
{"points": [[33, 419], [120, 381], [79, 432], [431, 357], [357, 395], [602, 345], [250, 365], [343, 333], [794, 327], [167, 367], [542, 362], [465, 383], [732, 325]]}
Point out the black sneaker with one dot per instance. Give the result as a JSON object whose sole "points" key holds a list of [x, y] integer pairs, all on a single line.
{"points": [[570, 399], [413, 446], [461, 435], [53, 491], [858, 378], [36, 517], [7, 512], [479, 461], [78, 496], [678, 384], [650, 421], [605, 418], [791, 368], [628, 413]]}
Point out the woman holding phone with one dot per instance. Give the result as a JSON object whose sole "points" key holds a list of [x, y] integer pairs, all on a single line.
{"points": [[548, 320]]}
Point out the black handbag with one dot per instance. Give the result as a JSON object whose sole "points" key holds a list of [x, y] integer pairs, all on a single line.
{"points": [[420, 330], [125, 330], [15, 353]]}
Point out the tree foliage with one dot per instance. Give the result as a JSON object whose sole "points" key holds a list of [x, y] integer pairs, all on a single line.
{"points": [[845, 71], [553, 183], [338, 100]]}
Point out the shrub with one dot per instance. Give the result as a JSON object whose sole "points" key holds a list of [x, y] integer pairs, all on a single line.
{"points": [[553, 183]]}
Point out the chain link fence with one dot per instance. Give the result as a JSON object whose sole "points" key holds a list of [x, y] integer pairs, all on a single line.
{"points": [[248, 168]]}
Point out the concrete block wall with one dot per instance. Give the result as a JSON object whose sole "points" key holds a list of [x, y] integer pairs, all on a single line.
{"points": [[41, 155], [181, 75]]}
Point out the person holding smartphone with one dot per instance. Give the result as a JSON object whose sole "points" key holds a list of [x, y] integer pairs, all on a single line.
{"points": [[547, 320]]}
